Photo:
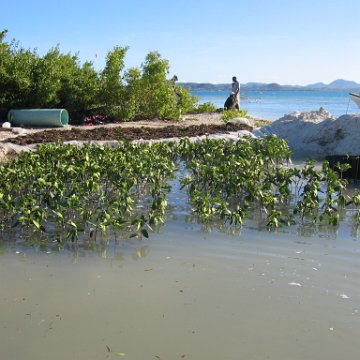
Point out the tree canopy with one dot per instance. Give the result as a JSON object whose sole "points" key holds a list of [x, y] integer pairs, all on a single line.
{"points": [[58, 80]]}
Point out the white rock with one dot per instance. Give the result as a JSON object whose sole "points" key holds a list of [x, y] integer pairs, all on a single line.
{"points": [[240, 120], [317, 134], [6, 125]]}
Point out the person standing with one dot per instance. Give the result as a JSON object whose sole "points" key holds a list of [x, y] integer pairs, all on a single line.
{"points": [[235, 89]]}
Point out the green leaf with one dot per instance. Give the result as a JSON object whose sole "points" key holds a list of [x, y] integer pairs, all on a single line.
{"points": [[36, 223]]}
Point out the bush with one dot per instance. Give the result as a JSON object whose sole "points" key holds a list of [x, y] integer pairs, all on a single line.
{"points": [[58, 80], [207, 107], [231, 114], [185, 101]]}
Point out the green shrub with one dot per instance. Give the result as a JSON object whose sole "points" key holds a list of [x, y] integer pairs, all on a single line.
{"points": [[231, 114], [111, 86], [58, 80], [185, 101], [207, 107]]}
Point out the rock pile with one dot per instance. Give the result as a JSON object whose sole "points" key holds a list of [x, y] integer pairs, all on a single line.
{"points": [[317, 134]]}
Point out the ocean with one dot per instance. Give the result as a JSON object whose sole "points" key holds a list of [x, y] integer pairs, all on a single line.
{"points": [[272, 105]]}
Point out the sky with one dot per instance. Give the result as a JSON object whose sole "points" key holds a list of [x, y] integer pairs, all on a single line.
{"points": [[282, 41]]}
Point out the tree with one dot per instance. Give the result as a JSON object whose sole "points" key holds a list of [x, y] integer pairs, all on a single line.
{"points": [[58, 80], [158, 97], [111, 89], [133, 94]]}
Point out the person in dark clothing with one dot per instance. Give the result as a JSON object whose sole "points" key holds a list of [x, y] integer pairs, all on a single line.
{"points": [[230, 103]]}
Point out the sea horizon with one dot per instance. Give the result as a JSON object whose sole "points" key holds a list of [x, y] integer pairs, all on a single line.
{"points": [[272, 105]]}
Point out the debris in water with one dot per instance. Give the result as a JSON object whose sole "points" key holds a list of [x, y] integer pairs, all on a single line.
{"points": [[344, 296], [294, 284]]}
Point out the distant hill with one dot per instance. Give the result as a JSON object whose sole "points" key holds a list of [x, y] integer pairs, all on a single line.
{"points": [[268, 87], [205, 86], [343, 84], [338, 84], [318, 85]]}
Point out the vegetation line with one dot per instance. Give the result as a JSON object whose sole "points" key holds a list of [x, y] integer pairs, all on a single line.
{"points": [[64, 192], [56, 80]]}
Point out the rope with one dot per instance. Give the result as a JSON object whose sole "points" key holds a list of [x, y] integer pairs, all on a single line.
{"points": [[348, 106]]}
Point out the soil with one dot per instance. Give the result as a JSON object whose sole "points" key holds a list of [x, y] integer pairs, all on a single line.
{"points": [[125, 133]]}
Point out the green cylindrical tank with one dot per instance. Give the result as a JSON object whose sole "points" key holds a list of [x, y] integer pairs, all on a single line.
{"points": [[38, 117]]}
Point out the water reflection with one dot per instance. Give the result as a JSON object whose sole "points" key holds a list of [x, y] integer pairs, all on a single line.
{"points": [[191, 282], [117, 245], [111, 250]]}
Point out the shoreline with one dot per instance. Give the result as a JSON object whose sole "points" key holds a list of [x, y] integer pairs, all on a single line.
{"points": [[15, 140], [313, 134]]}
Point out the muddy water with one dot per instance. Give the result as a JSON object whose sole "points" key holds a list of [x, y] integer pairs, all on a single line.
{"points": [[185, 294]]}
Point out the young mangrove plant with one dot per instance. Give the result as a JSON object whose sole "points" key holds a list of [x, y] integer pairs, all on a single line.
{"points": [[76, 193], [229, 179], [81, 191]]}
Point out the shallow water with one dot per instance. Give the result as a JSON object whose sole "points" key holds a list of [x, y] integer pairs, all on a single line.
{"points": [[185, 294], [188, 292]]}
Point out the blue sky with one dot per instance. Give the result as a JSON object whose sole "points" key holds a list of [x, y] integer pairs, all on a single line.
{"points": [[284, 41]]}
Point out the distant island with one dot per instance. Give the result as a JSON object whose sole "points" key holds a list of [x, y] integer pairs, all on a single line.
{"points": [[338, 84]]}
